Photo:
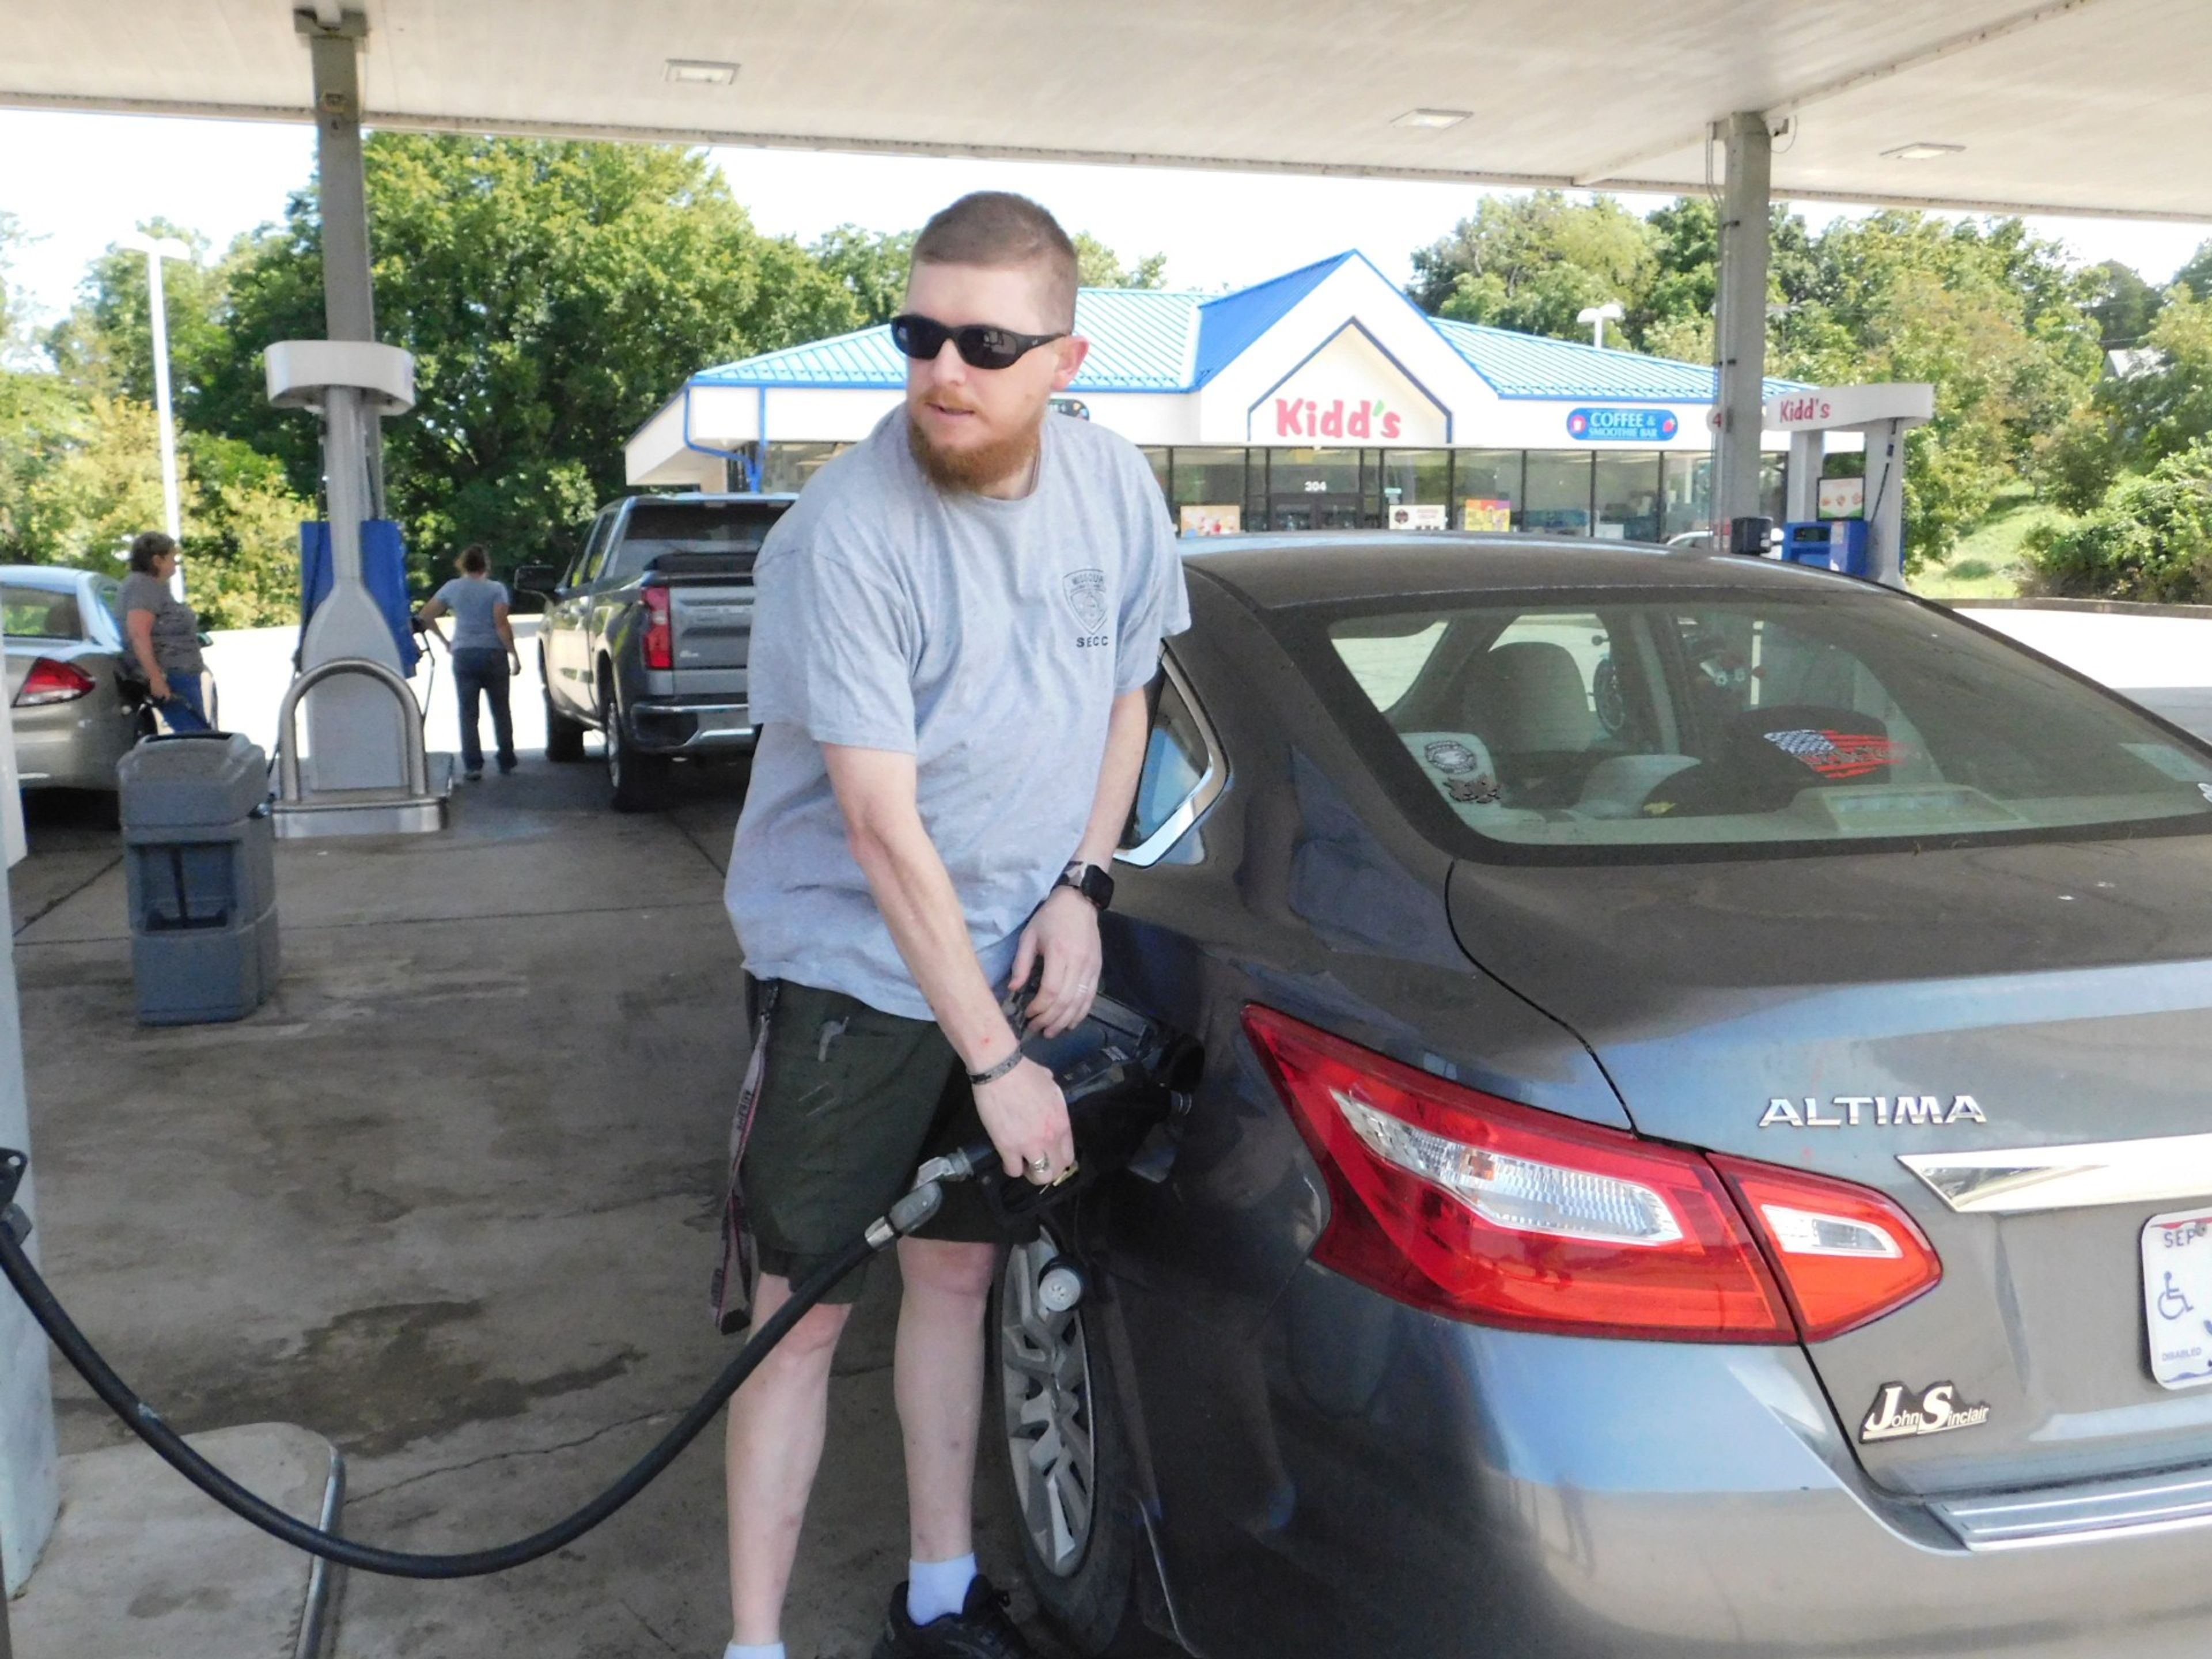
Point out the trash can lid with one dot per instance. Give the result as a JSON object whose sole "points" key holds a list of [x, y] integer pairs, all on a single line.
{"points": [[196, 778]]}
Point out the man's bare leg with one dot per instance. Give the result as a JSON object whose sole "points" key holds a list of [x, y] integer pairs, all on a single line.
{"points": [[937, 1380], [777, 1421]]}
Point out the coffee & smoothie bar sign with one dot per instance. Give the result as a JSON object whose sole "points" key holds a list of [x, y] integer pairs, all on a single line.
{"points": [[1604, 424]]}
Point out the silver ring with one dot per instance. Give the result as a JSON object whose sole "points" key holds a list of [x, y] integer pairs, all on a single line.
{"points": [[1041, 1165]]}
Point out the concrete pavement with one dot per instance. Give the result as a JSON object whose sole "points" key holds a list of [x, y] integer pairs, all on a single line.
{"points": [[449, 1199]]}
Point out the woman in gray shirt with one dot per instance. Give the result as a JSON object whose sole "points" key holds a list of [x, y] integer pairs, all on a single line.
{"points": [[485, 656], [164, 634]]}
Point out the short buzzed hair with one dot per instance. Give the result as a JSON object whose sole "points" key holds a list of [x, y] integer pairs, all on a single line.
{"points": [[996, 229]]}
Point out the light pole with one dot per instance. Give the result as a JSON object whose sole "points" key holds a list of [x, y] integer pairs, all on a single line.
{"points": [[157, 249], [1600, 316]]}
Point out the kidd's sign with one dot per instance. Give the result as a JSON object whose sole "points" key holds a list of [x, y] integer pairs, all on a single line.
{"points": [[1832, 407]]}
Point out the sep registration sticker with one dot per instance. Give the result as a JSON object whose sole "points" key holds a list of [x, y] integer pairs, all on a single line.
{"points": [[2177, 1253]]}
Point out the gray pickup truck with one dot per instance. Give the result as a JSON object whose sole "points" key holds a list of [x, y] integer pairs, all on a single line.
{"points": [[646, 634]]}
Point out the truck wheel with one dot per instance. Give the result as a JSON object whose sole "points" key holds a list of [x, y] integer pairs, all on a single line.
{"points": [[564, 737], [1079, 1528], [638, 782]]}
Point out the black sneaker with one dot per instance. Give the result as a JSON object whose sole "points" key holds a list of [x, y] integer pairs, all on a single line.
{"points": [[980, 1630]]}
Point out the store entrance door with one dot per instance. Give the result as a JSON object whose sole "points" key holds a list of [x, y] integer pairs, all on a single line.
{"points": [[1313, 511]]}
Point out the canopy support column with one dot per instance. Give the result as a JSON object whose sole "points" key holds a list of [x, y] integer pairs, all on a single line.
{"points": [[350, 736], [1742, 325]]}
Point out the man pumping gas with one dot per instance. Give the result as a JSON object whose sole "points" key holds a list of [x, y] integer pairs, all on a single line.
{"points": [[954, 633]]}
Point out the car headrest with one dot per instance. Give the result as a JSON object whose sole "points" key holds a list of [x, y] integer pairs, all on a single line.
{"points": [[1527, 697]]}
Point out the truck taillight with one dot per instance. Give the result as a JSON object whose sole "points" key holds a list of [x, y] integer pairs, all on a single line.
{"points": [[1485, 1210], [659, 648], [49, 681]]}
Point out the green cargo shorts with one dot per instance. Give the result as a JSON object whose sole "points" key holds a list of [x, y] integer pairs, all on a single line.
{"points": [[851, 1100]]}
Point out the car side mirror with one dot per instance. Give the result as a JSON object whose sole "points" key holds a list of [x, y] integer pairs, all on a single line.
{"points": [[539, 579]]}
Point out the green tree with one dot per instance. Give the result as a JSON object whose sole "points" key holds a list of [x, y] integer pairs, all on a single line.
{"points": [[1097, 265], [2125, 305], [1531, 263], [872, 266], [553, 294], [2196, 274], [17, 349], [107, 338], [2151, 539]]}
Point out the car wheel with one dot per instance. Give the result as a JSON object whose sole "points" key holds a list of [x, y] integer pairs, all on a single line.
{"points": [[1079, 1529], [638, 782], [564, 737]]}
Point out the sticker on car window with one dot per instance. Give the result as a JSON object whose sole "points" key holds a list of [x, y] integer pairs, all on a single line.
{"points": [[1452, 757], [1838, 754]]}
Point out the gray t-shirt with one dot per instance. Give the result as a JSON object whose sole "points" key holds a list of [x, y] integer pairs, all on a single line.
{"points": [[471, 600], [987, 638], [176, 629]]}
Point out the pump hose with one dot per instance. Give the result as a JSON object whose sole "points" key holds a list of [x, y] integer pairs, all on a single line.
{"points": [[911, 1210]]}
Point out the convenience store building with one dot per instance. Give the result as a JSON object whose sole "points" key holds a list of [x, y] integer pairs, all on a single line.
{"points": [[1324, 399]]}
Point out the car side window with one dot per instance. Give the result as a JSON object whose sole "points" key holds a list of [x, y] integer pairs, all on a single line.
{"points": [[1181, 775], [595, 551]]}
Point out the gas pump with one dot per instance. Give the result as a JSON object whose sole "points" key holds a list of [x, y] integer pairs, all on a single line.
{"points": [[1872, 544]]}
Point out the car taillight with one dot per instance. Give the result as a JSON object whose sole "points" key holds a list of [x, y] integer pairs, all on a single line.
{"points": [[659, 647], [1475, 1207], [1846, 1255], [53, 682]]}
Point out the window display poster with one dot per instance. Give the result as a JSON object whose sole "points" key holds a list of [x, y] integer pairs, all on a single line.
{"points": [[1223, 518], [1486, 512], [1416, 515]]}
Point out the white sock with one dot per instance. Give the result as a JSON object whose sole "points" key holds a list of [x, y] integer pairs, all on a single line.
{"points": [[759, 1650], [934, 1589]]}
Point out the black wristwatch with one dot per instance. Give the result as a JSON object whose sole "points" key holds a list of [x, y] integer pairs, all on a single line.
{"points": [[1089, 880]]}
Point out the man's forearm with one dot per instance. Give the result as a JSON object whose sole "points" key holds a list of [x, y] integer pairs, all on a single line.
{"points": [[914, 892], [1127, 729]]}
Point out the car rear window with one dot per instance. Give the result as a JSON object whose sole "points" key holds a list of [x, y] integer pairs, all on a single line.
{"points": [[40, 613], [709, 527], [1622, 726]]}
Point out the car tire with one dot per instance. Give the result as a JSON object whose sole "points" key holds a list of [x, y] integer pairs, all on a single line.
{"points": [[1079, 1526], [564, 737], [637, 782]]}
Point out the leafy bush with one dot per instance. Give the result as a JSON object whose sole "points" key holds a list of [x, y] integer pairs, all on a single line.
{"points": [[2151, 539]]}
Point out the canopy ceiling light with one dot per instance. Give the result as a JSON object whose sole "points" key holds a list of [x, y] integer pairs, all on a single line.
{"points": [[1432, 117], [1922, 152], [701, 71]]}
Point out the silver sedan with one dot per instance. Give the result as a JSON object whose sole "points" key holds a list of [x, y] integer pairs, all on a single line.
{"points": [[74, 710]]}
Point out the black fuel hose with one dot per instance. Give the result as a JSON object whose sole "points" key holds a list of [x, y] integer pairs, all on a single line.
{"points": [[911, 1211]]}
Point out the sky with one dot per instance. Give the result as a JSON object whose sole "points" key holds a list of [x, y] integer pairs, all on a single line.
{"points": [[77, 182]]}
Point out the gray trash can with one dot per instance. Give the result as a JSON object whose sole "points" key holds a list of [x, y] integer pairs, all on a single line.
{"points": [[199, 854]]}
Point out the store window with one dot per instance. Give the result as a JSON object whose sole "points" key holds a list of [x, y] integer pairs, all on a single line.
{"points": [[1689, 495], [1157, 457], [1628, 495], [1559, 492], [1487, 485], [789, 466], [1418, 481], [1209, 491], [1773, 478]]}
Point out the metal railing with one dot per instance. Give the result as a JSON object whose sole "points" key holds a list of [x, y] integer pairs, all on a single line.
{"points": [[289, 788]]}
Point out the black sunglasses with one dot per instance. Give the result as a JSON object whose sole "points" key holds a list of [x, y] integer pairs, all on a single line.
{"points": [[980, 344]]}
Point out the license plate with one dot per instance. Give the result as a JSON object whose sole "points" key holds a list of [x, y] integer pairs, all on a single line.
{"points": [[2177, 1255]]}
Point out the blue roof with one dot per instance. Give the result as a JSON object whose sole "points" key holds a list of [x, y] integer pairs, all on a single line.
{"points": [[1149, 340], [1533, 366], [1230, 324]]}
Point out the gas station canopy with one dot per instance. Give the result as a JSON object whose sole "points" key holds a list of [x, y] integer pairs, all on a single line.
{"points": [[2072, 106]]}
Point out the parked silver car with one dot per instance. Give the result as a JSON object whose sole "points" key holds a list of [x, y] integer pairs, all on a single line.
{"points": [[1703, 1146], [74, 707]]}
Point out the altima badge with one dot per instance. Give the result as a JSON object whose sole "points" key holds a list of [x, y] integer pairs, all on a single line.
{"points": [[1898, 1414], [1849, 1111]]}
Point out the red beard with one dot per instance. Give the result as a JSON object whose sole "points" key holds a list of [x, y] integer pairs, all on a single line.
{"points": [[972, 470]]}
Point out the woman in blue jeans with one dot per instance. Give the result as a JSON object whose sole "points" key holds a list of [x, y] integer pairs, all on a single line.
{"points": [[164, 634], [485, 656]]}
